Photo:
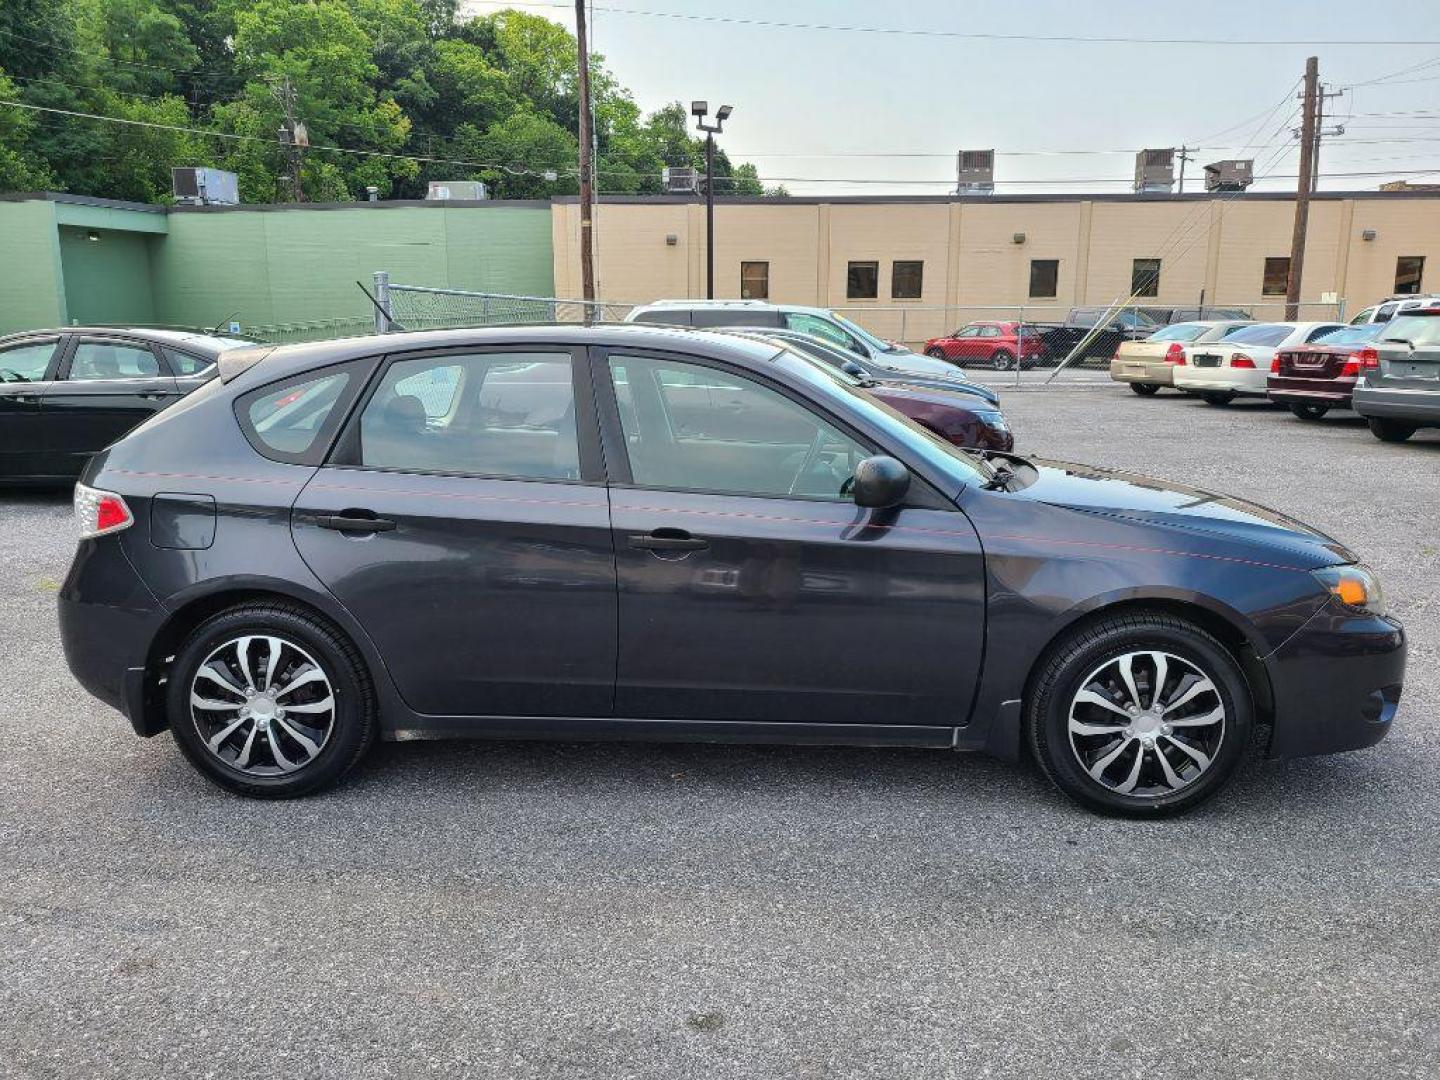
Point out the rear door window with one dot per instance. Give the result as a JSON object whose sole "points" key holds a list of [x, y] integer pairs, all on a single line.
{"points": [[97, 360], [187, 364], [504, 414]]}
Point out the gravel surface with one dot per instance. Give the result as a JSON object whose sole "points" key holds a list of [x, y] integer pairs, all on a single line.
{"points": [[540, 910]]}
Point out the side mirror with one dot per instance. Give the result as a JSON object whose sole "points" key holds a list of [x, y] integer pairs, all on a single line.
{"points": [[880, 482], [850, 367]]}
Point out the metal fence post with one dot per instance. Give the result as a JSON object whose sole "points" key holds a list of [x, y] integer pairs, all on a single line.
{"points": [[1019, 343], [383, 314]]}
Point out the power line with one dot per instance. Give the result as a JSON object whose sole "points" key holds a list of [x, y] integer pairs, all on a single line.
{"points": [[194, 73], [776, 24]]}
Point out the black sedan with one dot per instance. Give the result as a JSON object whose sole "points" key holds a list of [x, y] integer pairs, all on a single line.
{"points": [[65, 394], [547, 532]]}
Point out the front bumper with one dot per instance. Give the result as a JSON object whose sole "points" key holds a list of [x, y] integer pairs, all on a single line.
{"points": [[1418, 406], [108, 620], [1336, 683], [1153, 372]]}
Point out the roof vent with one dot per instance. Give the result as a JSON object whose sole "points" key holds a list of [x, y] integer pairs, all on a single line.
{"points": [[1236, 174], [1155, 170], [975, 172]]}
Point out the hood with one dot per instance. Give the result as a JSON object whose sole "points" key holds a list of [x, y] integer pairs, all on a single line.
{"points": [[959, 397], [1161, 503], [948, 383]]}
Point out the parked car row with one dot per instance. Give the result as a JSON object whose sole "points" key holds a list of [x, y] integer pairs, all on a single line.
{"points": [[1387, 370]]}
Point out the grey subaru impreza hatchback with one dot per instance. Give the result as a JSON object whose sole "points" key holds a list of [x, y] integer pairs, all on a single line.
{"points": [[656, 533]]}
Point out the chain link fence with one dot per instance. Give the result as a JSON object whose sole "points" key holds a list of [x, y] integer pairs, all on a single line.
{"points": [[412, 307]]}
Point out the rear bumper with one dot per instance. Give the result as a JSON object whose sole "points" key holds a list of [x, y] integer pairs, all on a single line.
{"points": [[1336, 683], [1222, 380], [108, 618], [1298, 391], [1155, 373], [1420, 407]]}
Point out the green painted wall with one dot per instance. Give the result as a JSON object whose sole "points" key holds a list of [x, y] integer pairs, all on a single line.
{"points": [[278, 267], [31, 286], [107, 280], [292, 269]]}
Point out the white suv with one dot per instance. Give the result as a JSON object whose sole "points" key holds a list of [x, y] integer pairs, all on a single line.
{"points": [[1391, 306]]}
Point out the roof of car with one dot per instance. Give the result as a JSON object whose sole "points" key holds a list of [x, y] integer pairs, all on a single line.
{"points": [[283, 360], [211, 344], [762, 305]]}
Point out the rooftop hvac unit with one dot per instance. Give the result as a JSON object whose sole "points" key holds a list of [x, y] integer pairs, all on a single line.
{"points": [[1233, 175], [975, 172], [680, 180], [1154, 170], [456, 190], [204, 187]]}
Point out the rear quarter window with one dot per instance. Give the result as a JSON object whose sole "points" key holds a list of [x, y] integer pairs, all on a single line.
{"points": [[294, 420]]}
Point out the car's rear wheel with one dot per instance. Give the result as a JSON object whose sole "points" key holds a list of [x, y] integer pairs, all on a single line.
{"points": [[268, 701], [1390, 430], [936, 354], [1141, 715], [1217, 397], [1002, 360], [1144, 389], [1309, 412]]}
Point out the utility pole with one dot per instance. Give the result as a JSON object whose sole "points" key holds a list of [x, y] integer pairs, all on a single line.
{"points": [[1302, 190], [1320, 132], [1184, 156], [587, 191]]}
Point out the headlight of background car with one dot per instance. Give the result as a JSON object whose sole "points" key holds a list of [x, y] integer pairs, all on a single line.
{"points": [[1354, 586]]}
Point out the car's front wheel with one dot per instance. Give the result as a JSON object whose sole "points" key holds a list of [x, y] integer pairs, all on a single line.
{"points": [[268, 701], [1390, 430], [1144, 389], [1309, 412], [1141, 715], [1001, 360], [936, 354]]}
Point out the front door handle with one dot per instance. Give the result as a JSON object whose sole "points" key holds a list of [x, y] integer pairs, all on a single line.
{"points": [[668, 540], [155, 393], [351, 522]]}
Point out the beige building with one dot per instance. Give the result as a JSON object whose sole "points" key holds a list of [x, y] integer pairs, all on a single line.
{"points": [[896, 263]]}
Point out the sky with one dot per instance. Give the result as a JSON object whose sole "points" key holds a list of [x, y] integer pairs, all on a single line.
{"points": [[829, 111]]}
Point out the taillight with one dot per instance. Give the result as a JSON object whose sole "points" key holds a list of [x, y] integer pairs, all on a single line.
{"points": [[1368, 359], [1175, 354], [1351, 370], [1275, 365], [100, 512], [1240, 360]]}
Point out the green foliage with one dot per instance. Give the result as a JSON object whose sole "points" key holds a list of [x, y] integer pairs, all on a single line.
{"points": [[492, 97]]}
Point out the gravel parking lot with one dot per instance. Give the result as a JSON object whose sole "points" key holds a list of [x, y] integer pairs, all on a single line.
{"points": [[601, 910]]}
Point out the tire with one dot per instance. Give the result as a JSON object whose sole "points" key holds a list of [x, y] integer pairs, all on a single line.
{"points": [[1217, 397], [1001, 360], [1144, 389], [1091, 658], [936, 354], [1390, 430], [289, 755], [1309, 412]]}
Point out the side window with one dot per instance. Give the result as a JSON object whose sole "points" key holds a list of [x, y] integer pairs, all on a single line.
{"points": [[989, 331], [664, 317], [736, 316], [969, 332], [823, 329], [111, 360], [691, 427], [285, 422], [26, 362], [184, 364], [1363, 318], [507, 414]]}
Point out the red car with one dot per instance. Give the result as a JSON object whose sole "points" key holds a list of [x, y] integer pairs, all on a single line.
{"points": [[1313, 379], [994, 344]]}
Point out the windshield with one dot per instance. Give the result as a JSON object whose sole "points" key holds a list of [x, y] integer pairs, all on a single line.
{"points": [[963, 466], [867, 337], [1185, 331], [1260, 334], [1416, 329], [1351, 335]]}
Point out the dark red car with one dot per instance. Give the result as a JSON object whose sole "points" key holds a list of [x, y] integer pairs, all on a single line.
{"points": [[1312, 379], [993, 344]]}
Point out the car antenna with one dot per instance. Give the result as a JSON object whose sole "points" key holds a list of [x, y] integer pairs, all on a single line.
{"points": [[371, 297], [223, 322]]}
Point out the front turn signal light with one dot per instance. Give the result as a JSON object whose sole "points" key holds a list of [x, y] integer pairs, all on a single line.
{"points": [[1354, 586]]}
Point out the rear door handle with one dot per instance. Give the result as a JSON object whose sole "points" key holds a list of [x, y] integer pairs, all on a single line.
{"points": [[668, 540], [155, 393], [355, 523]]}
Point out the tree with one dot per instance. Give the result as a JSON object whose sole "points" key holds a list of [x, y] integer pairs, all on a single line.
{"points": [[20, 168]]}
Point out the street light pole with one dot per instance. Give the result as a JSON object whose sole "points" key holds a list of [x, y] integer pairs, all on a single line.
{"points": [[699, 109]]}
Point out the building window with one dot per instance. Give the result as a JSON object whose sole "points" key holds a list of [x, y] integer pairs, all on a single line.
{"points": [[754, 281], [1277, 276], [1409, 269], [907, 278], [1044, 278], [1145, 277], [862, 281]]}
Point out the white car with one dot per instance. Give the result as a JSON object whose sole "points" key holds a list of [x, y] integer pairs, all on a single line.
{"points": [[1150, 364], [1391, 306], [1239, 364]]}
